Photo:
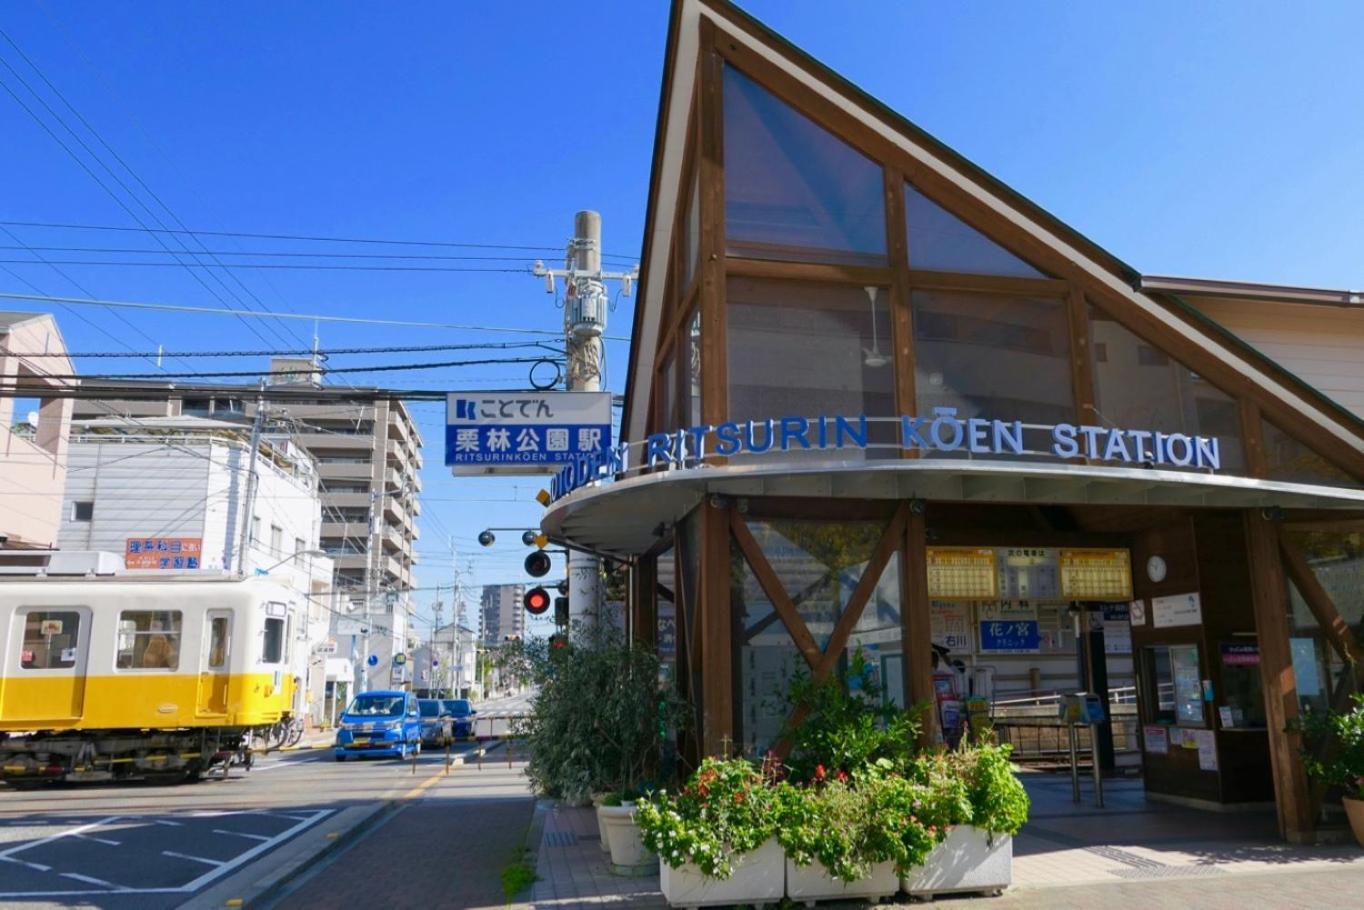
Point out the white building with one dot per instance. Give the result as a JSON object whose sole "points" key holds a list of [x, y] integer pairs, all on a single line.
{"points": [[504, 616], [172, 494], [447, 662]]}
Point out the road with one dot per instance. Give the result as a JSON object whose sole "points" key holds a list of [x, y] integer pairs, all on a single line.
{"points": [[494, 714], [199, 845]]}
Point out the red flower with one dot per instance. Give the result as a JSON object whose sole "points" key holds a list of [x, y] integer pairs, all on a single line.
{"points": [[819, 772], [842, 775], [738, 798]]}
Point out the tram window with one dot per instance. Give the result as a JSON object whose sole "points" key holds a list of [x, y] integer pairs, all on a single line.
{"points": [[272, 650], [149, 639], [50, 640], [217, 642]]}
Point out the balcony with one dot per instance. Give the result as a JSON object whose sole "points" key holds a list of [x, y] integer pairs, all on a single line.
{"points": [[342, 530], [344, 442], [345, 470], [339, 410], [347, 500], [351, 561]]}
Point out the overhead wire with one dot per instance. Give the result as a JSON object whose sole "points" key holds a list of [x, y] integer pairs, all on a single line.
{"points": [[321, 352]]}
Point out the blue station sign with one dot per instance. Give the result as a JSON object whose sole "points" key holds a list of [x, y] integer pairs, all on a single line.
{"points": [[524, 432]]}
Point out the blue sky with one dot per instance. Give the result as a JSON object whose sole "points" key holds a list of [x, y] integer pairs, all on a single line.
{"points": [[1219, 140]]}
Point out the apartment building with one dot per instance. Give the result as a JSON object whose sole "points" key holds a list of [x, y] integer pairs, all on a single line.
{"points": [[32, 430], [504, 617]]}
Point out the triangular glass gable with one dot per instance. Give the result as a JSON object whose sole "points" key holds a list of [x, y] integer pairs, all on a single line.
{"points": [[942, 242], [793, 190], [1292, 461]]}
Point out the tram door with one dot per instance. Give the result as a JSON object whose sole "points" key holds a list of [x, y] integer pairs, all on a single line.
{"points": [[214, 662], [48, 684]]}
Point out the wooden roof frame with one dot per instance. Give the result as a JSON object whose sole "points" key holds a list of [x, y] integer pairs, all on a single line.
{"points": [[698, 28]]}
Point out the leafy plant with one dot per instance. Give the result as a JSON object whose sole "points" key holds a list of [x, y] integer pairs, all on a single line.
{"points": [[599, 719], [727, 808], [1343, 733], [999, 803], [517, 875]]}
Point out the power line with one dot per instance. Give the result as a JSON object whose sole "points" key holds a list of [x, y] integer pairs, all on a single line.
{"points": [[281, 253], [107, 263], [312, 238], [308, 352], [311, 317], [383, 368]]}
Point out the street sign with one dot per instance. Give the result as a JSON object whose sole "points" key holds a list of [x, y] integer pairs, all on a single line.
{"points": [[400, 659], [373, 660], [524, 432], [350, 627]]}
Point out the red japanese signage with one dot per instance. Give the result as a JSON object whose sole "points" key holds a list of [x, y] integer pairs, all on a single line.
{"points": [[163, 552]]}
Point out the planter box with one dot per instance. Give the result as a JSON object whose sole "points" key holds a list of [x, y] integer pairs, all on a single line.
{"points": [[759, 878], [970, 859], [621, 838], [814, 883]]}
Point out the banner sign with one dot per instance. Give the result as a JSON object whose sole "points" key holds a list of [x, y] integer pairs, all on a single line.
{"points": [[1009, 628], [163, 552], [943, 432], [524, 432]]}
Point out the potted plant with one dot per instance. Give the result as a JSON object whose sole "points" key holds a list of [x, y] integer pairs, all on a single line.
{"points": [[714, 837], [1334, 754], [834, 840]]}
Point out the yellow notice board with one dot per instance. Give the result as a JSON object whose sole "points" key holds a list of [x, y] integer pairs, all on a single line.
{"points": [[1096, 575], [962, 573]]}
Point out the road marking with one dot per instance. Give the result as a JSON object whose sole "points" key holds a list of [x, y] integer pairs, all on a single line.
{"points": [[240, 834], [162, 821], [89, 880], [98, 840], [424, 785], [23, 862], [58, 836], [197, 859]]}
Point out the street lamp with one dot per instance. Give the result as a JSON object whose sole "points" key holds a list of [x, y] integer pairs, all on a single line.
{"points": [[266, 571]]}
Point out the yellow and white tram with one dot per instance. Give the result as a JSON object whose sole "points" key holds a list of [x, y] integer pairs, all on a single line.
{"points": [[128, 676]]}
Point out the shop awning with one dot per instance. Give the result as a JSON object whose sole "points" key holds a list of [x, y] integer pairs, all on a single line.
{"points": [[628, 516]]}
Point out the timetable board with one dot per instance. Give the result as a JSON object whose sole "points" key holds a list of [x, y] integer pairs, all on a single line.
{"points": [[1028, 573], [962, 573], [1096, 575]]}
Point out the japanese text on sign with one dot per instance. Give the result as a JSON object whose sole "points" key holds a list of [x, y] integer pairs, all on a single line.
{"points": [[1096, 575], [1009, 628], [163, 552], [522, 433], [961, 572]]}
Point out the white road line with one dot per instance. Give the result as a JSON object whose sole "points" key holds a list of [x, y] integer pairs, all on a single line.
{"points": [[92, 881], [240, 834], [58, 836], [22, 862], [162, 821], [255, 851], [98, 840], [197, 859]]}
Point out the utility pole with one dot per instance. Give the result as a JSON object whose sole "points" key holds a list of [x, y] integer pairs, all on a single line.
{"points": [[585, 309], [250, 505]]}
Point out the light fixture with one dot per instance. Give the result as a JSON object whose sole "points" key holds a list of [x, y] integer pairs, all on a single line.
{"points": [[486, 538], [872, 357]]}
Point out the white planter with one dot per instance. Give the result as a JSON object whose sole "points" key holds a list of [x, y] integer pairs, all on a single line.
{"points": [[814, 883], [970, 859], [621, 836], [759, 878]]}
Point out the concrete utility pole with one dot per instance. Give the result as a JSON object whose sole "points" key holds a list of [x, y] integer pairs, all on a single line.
{"points": [[249, 508], [585, 308]]}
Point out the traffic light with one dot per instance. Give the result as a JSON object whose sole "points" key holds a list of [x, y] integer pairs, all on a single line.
{"points": [[561, 611], [537, 564], [558, 641], [536, 601]]}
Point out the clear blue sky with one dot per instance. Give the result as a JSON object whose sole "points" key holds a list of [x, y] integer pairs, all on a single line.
{"points": [[1219, 140]]}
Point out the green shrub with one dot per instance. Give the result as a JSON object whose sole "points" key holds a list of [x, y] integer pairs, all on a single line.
{"points": [[1342, 733]]}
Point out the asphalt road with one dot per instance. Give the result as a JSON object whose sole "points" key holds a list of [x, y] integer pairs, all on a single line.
{"points": [[154, 846]]}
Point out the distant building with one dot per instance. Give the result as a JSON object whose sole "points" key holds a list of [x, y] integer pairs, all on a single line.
{"points": [[446, 663], [32, 452], [504, 617]]}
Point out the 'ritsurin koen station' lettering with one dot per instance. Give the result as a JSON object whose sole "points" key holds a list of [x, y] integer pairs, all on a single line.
{"points": [[942, 432]]}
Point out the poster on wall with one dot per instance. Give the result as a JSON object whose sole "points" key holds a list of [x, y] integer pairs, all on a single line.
{"points": [[1157, 739], [961, 572], [1176, 610], [1028, 573], [162, 552], [1096, 575], [1009, 628], [950, 624], [1117, 628]]}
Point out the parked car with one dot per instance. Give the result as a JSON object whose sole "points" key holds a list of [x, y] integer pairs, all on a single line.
{"points": [[463, 713], [379, 723], [433, 715]]}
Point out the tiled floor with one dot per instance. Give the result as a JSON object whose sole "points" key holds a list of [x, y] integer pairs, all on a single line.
{"points": [[1133, 852]]}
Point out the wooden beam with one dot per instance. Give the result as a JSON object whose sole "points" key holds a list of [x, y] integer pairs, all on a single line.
{"points": [[714, 321], [1333, 625], [916, 625], [1253, 439], [772, 587], [1081, 358], [717, 710], [788, 270], [1269, 602], [970, 282], [644, 597], [901, 309], [886, 547]]}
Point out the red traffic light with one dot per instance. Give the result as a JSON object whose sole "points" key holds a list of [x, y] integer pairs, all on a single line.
{"points": [[536, 601]]}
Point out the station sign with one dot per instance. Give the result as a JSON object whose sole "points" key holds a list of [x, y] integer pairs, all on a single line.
{"points": [[524, 432], [163, 552]]}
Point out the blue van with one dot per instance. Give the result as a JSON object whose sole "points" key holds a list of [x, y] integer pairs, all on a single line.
{"points": [[379, 723]]}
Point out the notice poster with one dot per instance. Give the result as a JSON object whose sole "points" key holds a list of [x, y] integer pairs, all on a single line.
{"points": [[1117, 628], [1157, 739], [162, 552], [1176, 610], [964, 573], [950, 624], [1240, 655], [1096, 575], [1028, 573], [1009, 628], [1206, 742]]}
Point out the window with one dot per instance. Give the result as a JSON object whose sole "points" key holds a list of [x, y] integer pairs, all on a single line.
{"points": [[993, 356], [272, 648], [1292, 461], [276, 540], [82, 511], [300, 545], [939, 241], [51, 639], [793, 190], [1175, 693], [218, 642], [149, 639], [255, 528]]}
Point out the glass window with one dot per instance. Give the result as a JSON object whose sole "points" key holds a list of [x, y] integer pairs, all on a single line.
{"points": [[792, 189], [1177, 687], [806, 349], [692, 405], [1241, 684], [996, 357], [1140, 391], [82, 511], [149, 639], [940, 241], [819, 565], [1160, 700], [690, 240], [1292, 461], [272, 648], [276, 540], [377, 705], [51, 639], [665, 396], [218, 642], [1337, 562]]}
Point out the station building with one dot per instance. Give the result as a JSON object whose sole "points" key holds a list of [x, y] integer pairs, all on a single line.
{"points": [[878, 398]]}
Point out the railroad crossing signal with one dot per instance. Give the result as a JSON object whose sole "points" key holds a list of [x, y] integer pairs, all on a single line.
{"points": [[536, 601]]}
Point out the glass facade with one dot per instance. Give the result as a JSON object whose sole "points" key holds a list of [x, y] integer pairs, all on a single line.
{"points": [[793, 190], [1289, 460], [806, 349], [993, 356], [1139, 387], [940, 241]]}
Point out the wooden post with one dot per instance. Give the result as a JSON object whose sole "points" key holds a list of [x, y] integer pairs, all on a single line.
{"points": [[915, 627], [1269, 600], [644, 601], [717, 709]]}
